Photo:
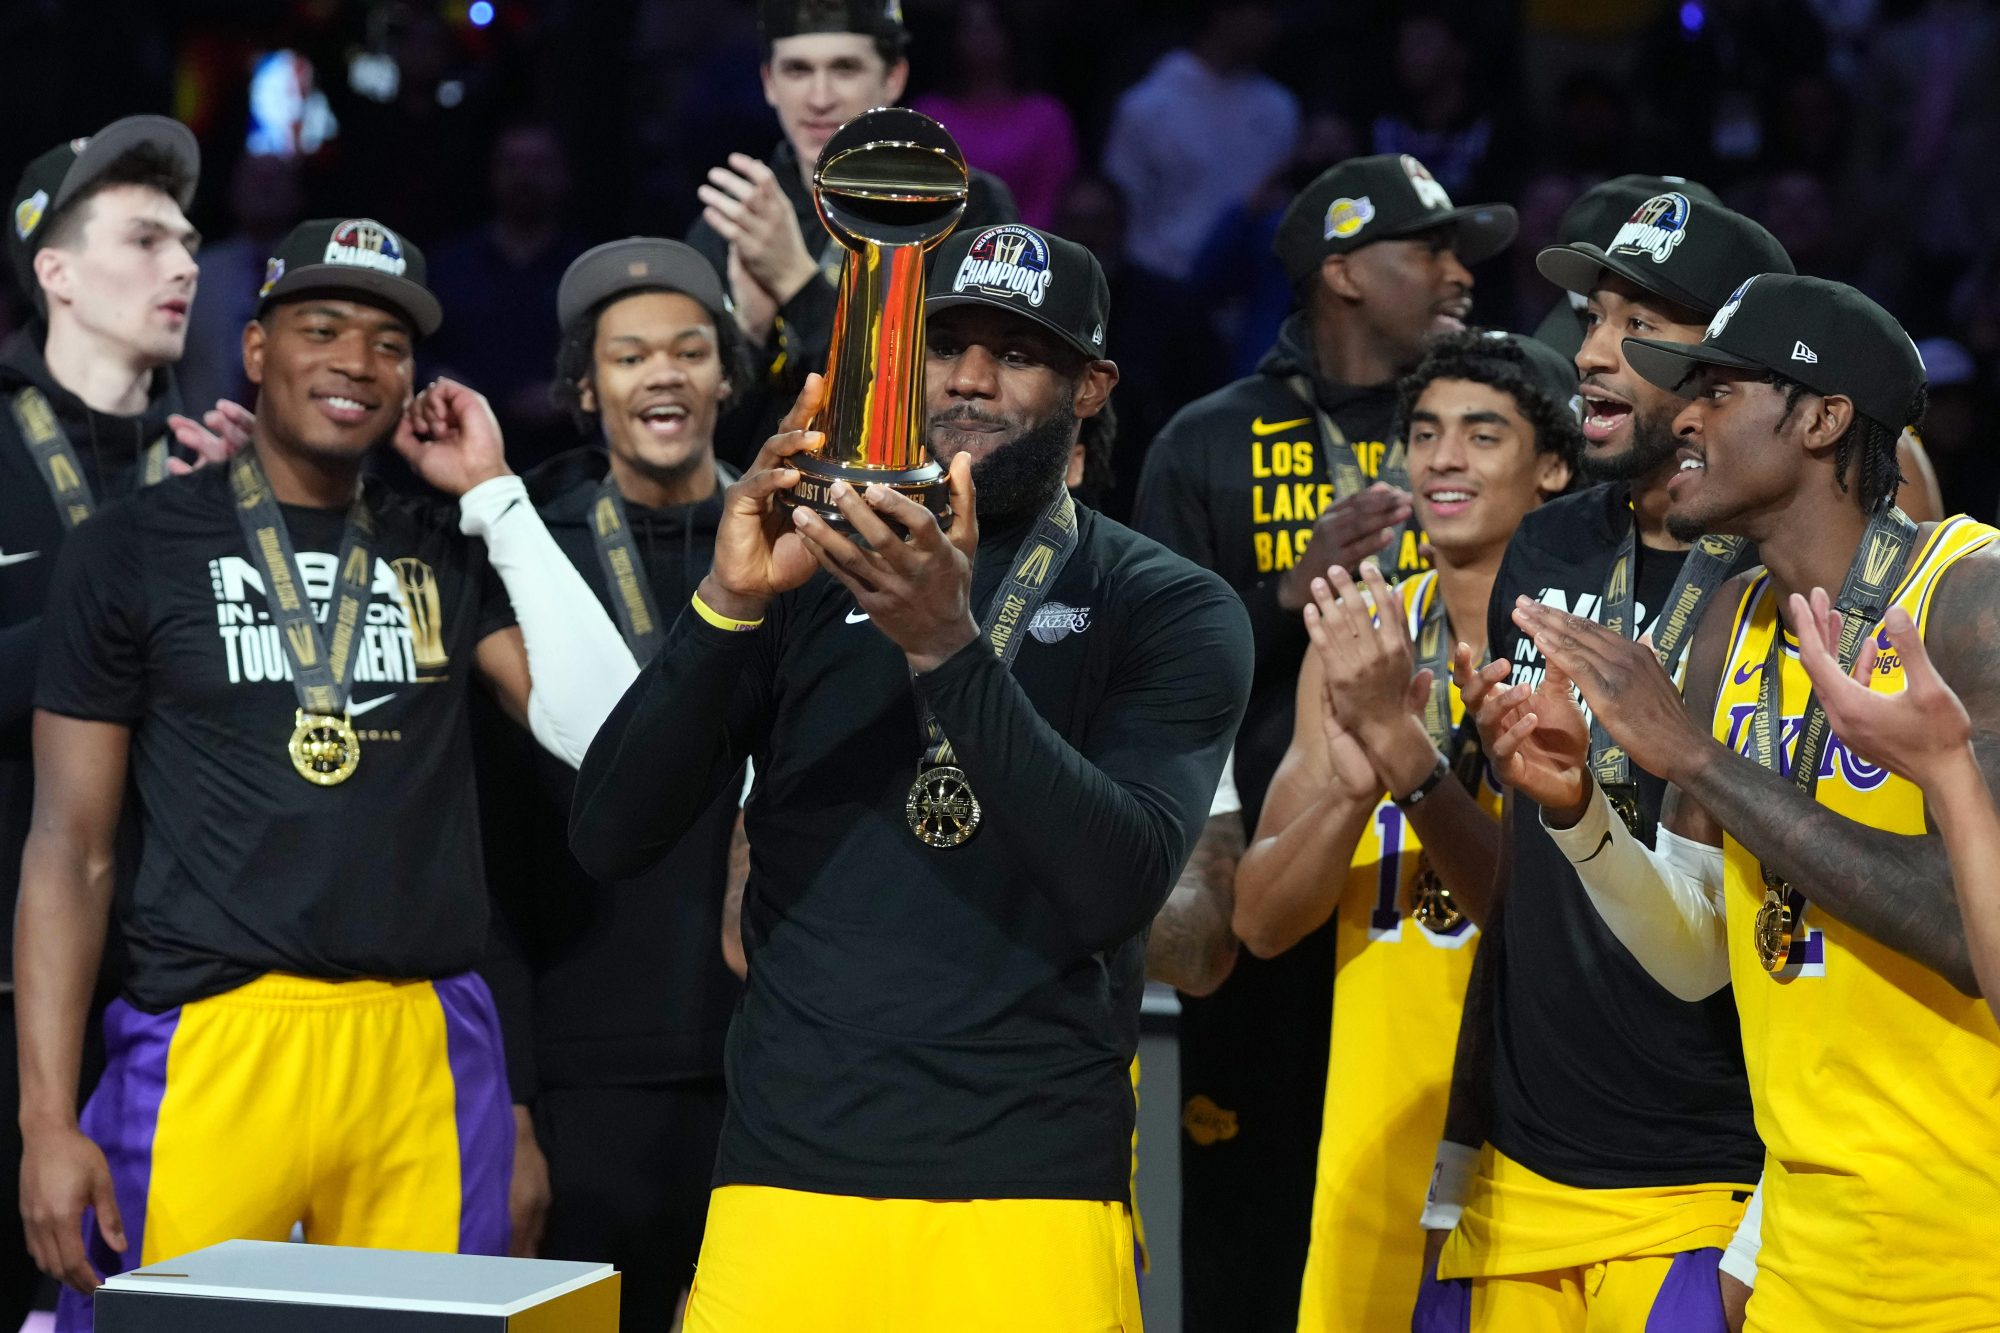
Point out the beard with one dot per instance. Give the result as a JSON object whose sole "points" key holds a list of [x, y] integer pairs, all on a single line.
{"points": [[1016, 479], [1653, 443]]}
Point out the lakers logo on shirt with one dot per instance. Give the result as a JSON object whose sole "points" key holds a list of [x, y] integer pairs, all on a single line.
{"points": [[1206, 1123]]}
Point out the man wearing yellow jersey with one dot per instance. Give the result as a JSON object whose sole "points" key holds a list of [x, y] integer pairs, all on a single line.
{"points": [[1789, 865], [1492, 431]]}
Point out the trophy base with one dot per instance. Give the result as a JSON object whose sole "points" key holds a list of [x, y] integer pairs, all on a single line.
{"points": [[925, 484]]}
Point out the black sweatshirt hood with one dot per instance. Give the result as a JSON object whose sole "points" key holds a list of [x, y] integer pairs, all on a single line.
{"points": [[100, 439], [1292, 354]]}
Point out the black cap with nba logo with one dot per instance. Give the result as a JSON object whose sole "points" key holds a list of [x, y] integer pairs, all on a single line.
{"points": [[1035, 274], [354, 257], [1825, 335], [1675, 244], [1390, 196]]}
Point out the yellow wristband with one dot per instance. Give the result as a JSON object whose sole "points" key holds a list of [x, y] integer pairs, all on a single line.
{"points": [[720, 621]]}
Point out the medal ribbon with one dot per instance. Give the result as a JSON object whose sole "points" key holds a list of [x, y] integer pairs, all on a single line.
{"points": [[1704, 570], [624, 575], [1864, 597], [1348, 479], [57, 459], [322, 673], [1014, 604], [1434, 648]]}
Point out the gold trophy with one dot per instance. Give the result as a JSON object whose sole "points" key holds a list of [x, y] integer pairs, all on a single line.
{"points": [[890, 186]]}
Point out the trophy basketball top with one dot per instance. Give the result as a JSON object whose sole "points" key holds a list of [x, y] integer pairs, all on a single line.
{"points": [[890, 176]]}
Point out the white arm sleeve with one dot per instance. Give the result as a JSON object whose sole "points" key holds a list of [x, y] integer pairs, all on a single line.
{"points": [[1740, 1259], [578, 664], [1665, 906], [1451, 1182], [1227, 801]]}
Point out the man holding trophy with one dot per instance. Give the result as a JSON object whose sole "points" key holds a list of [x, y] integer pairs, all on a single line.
{"points": [[984, 744]]}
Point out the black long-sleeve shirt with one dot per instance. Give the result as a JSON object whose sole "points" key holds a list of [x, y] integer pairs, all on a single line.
{"points": [[939, 1023]]}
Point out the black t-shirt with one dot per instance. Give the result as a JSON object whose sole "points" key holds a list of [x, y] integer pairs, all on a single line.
{"points": [[1650, 1090], [939, 1023], [157, 620]]}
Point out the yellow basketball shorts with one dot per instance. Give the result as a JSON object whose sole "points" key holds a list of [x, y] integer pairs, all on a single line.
{"points": [[781, 1261], [372, 1113]]}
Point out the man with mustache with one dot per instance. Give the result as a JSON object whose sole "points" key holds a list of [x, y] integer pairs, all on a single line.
{"points": [[1269, 481], [982, 755], [300, 1039], [1601, 1167]]}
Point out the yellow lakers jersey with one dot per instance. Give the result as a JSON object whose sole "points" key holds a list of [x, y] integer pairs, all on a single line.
{"points": [[1876, 1084], [1397, 995]]}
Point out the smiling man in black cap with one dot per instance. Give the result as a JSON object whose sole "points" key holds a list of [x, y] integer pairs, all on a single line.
{"points": [[98, 243], [616, 1001], [930, 1105], [1268, 481], [1806, 875], [299, 1040]]}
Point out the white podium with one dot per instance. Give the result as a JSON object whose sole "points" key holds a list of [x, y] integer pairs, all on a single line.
{"points": [[252, 1286]]}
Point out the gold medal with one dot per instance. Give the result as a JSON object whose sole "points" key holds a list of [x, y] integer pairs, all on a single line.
{"points": [[1773, 932], [1431, 902], [324, 749], [941, 808]]}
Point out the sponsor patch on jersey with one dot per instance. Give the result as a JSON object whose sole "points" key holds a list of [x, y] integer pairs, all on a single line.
{"points": [[1722, 316], [365, 243], [1009, 260], [28, 214], [1655, 228], [274, 268], [1345, 217], [1429, 193], [1055, 621]]}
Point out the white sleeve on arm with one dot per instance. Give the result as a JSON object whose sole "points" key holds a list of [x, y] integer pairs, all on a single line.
{"points": [[578, 664], [1665, 906], [1740, 1259], [1227, 801]]}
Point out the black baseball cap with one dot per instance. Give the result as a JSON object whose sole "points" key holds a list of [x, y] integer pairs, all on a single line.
{"points": [[1826, 335], [795, 18], [57, 176], [1036, 274], [1367, 199], [1673, 245], [638, 264], [1598, 211], [357, 257]]}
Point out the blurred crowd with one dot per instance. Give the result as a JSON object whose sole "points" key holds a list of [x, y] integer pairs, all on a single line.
{"points": [[509, 136]]}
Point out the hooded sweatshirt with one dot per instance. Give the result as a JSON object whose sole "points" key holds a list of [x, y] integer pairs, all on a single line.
{"points": [[605, 983], [109, 449]]}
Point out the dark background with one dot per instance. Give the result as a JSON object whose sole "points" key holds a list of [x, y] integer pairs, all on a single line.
{"points": [[1864, 133]]}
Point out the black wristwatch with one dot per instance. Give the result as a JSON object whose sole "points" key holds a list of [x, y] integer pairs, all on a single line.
{"points": [[1439, 772]]}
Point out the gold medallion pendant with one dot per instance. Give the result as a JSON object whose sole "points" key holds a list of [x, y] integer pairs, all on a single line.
{"points": [[1431, 902], [324, 749], [1627, 808], [1774, 929], [941, 808]]}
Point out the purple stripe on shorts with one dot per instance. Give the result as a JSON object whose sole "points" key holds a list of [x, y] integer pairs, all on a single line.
{"points": [[485, 1112], [1690, 1300], [1444, 1305], [121, 1117]]}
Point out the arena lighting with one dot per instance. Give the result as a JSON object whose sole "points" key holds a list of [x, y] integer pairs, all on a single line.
{"points": [[1693, 19], [480, 13]]}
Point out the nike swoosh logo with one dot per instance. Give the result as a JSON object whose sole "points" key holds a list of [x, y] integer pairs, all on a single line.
{"points": [[1259, 426], [856, 617], [16, 557], [356, 710], [1743, 673], [1594, 854]]}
